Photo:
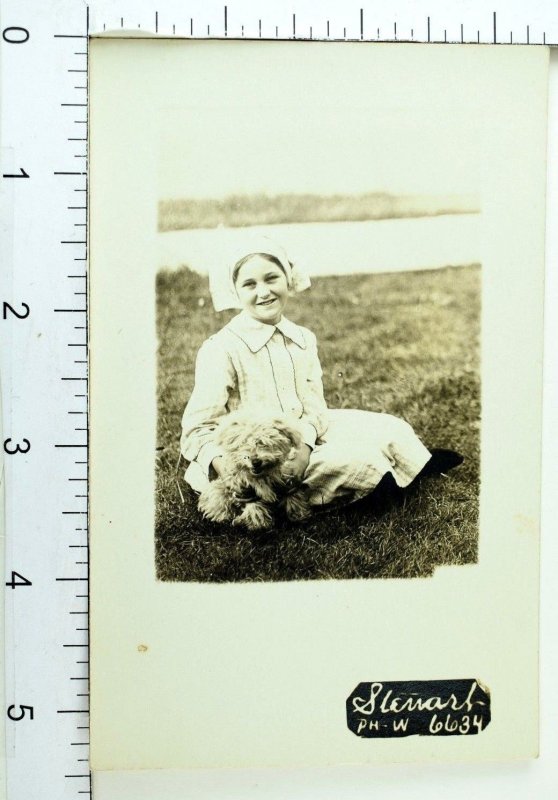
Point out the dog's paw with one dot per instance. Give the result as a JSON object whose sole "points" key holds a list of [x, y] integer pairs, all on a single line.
{"points": [[265, 492], [297, 506], [254, 517], [214, 503]]}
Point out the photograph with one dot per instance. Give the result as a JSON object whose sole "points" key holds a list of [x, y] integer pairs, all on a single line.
{"points": [[316, 330], [318, 317]]}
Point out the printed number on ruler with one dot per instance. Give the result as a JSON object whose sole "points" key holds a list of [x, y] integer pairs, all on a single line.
{"points": [[16, 35]]}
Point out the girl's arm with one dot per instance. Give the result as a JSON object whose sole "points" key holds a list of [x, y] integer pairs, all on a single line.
{"points": [[214, 380], [314, 418]]}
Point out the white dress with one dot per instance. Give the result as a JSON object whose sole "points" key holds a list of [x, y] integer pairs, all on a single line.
{"points": [[251, 364]]}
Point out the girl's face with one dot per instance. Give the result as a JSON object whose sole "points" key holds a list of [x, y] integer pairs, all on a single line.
{"points": [[262, 289]]}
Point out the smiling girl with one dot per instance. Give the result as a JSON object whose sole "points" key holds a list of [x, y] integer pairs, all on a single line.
{"points": [[262, 360]]}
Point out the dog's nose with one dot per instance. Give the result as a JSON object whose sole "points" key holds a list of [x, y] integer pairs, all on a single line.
{"points": [[257, 465]]}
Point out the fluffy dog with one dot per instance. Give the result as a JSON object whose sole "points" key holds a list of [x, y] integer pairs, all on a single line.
{"points": [[255, 477]]}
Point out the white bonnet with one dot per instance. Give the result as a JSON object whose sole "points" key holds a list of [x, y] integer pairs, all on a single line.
{"points": [[221, 284]]}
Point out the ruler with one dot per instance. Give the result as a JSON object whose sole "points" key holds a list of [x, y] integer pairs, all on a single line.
{"points": [[44, 383], [43, 327], [461, 21]]}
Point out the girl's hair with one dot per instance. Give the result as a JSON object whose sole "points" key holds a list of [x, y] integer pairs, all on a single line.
{"points": [[239, 264]]}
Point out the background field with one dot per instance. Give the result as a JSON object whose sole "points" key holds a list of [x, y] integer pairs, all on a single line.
{"points": [[407, 344], [260, 209]]}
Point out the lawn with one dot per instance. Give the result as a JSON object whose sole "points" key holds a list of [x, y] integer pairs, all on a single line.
{"points": [[406, 344]]}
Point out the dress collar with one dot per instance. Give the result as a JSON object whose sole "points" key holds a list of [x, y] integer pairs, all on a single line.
{"points": [[257, 334]]}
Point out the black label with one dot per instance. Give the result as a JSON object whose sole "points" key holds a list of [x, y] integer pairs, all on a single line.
{"points": [[384, 709]]}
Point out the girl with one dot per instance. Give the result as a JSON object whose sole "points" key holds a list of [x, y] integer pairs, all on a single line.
{"points": [[262, 360]]}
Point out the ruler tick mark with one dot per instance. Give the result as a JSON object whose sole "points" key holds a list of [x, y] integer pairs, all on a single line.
{"points": [[73, 710]]}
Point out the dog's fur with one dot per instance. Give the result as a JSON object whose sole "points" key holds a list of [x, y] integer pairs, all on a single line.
{"points": [[255, 479]]}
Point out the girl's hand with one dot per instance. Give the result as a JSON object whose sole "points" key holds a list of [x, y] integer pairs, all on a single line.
{"points": [[216, 465], [298, 464]]}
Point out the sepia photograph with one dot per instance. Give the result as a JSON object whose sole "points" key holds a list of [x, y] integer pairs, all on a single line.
{"points": [[318, 317], [316, 294]]}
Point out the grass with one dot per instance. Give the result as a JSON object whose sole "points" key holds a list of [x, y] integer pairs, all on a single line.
{"points": [[239, 210], [407, 344]]}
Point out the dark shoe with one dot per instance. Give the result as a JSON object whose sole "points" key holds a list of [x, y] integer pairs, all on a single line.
{"points": [[441, 462], [387, 491]]}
